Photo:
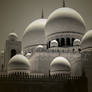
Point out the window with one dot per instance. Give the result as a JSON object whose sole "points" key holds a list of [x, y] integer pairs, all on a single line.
{"points": [[49, 45], [62, 42], [67, 41], [2, 67], [58, 42], [13, 52], [72, 41]]}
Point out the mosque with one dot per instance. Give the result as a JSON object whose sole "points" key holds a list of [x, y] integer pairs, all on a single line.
{"points": [[54, 55]]}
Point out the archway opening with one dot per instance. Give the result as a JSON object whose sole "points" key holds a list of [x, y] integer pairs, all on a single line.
{"points": [[13, 52], [67, 41], [62, 42], [72, 41], [58, 42], [49, 44]]}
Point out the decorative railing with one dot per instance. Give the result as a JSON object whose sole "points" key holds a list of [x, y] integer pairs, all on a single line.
{"points": [[25, 76]]}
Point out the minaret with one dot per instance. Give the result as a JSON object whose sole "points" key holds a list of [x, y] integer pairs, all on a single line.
{"points": [[64, 4], [12, 47], [42, 15]]}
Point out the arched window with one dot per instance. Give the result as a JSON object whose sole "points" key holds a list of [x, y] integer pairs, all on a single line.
{"points": [[49, 45], [67, 41], [2, 67], [79, 49], [58, 42], [72, 41], [73, 49], [62, 42], [13, 52]]}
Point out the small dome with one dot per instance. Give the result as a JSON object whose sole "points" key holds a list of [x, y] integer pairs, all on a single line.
{"points": [[54, 43], [34, 34], [76, 42], [18, 63], [28, 54], [39, 48], [64, 20], [12, 36], [86, 41], [60, 65]]}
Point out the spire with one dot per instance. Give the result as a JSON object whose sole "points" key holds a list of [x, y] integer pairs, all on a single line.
{"points": [[64, 4], [42, 15]]}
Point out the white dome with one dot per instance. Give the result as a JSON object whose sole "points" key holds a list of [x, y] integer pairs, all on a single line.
{"points": [[12, 36], [34, 34], [76, 42], [39, 48], [18, 63], [86, 41], [65, 20], [60, 64], [28, 54], [54, 43]]}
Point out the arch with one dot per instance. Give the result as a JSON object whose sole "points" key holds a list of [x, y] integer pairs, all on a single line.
{"points": [[67, 41], [79, 50], [49, 44], [73, 49], [13, 52], [58, 42], [2, 67], [62, 42], [72, 41]]}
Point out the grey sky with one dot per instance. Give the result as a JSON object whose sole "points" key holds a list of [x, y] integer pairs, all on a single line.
{"points": [[15, 15]]}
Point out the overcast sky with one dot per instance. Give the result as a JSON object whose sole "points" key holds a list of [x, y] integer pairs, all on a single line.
{"points": [[15, 15]]}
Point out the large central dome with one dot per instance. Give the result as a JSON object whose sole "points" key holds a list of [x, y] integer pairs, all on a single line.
{"points": [[65, 20], [34, 34]]}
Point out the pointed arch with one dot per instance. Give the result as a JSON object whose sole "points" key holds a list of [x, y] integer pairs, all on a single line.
{"points": [[13, 52], [58, 42], [62, 42], [72, 41], [67, 41]]}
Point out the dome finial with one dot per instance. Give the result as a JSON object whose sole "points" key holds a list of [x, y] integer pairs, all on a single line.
{"points": [[42, 15], [64, 3]]}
